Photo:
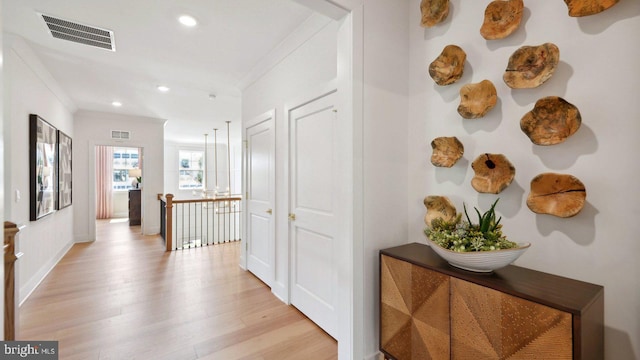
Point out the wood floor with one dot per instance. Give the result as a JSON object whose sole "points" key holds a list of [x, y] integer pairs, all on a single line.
{"points": [[124, 297]]}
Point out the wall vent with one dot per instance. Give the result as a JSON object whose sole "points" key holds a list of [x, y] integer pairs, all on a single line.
{"points": [[120, 135], [83, 34]]}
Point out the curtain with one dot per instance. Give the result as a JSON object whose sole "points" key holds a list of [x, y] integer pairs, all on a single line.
{"points": [[104, 182], [140, 161]]}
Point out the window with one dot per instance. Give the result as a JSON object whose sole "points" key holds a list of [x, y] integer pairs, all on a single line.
{"points": [[191, 169], [124, 159]]}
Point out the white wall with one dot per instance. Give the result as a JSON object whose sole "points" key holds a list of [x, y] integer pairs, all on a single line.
{"points": [[385, 95], [236, 167], [30, 89], [598, 72], [3, 171], [94, 128], [311, 64]]}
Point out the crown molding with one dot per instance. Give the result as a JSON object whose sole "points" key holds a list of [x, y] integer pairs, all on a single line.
{"points": [[21, 48], [310, 27]]}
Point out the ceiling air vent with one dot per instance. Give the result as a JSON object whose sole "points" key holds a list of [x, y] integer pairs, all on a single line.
{"points": [[83, 34], [120, 135]]}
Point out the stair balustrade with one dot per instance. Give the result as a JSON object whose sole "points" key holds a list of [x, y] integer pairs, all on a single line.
{"points": [[194, 223], [10, 294]]}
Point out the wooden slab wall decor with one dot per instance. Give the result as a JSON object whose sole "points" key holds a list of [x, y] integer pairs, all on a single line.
{"points": [[560, 195], [476, 100], [579, 8], [448, 67], [446, 151], [531, 66], [433, 12], [551, 121], [501, 18], [493, 173], [439, 207]]}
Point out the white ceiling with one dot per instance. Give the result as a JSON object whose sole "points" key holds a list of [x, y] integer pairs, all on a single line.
{"points": [[152, 48]]}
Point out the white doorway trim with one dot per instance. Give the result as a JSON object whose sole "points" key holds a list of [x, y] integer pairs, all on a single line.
{"points": [[350, 84], [92, 185]]}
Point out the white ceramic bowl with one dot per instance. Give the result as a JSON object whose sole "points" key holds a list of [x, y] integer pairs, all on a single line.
{"points": [[480, 261]]}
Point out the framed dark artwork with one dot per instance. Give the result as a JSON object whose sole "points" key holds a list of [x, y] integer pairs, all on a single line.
{"points": [[43, 167], [64, 170]]}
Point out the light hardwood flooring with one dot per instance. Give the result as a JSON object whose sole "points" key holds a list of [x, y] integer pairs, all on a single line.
{"points": [[124, 297]]}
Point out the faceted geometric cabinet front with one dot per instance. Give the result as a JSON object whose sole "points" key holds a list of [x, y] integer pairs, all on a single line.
{"points": [[488, 324], [430, 310], [414, 311]]}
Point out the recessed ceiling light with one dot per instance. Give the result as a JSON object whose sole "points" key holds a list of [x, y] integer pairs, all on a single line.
{"points": [[116, 103], [188, 20], [212, 96], [163, 88]]}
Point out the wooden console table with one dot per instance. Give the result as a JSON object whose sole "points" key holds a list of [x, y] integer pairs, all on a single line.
{"points": [[135, 207], [431, 310]]}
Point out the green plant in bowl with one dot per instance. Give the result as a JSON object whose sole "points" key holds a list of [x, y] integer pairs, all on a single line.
{"points": [[465, 236]]}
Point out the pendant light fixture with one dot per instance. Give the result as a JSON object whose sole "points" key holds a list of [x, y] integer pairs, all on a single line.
{"points": [[215, 158], [228, 161]]}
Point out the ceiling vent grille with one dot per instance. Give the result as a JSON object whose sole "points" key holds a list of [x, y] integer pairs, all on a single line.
{"points": [[120, 135], [83, 34]]}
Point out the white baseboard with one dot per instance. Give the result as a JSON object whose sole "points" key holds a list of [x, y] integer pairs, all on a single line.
{"points": [[82, 238], [374, 356], [280, 291], [32, 284], [279, 297]]}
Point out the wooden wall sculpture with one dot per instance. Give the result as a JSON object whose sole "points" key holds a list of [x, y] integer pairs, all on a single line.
{"points": [[493, 173], [501, 19], [579, 8], [560, 195], [433, 12], [448, 67], [551, 121], [531, 66], [476, 100], [446, 151], [439, 207]]}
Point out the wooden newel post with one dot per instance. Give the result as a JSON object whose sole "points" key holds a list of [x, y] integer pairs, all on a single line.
{"points": [[169, 234], [10, 295]]}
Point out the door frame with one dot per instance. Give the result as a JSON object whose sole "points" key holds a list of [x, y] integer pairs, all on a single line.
{"points": [[306, 97], [266, 116], [92, 184]]}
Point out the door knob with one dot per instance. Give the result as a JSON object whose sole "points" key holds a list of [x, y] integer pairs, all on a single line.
{"points": [[269, 211], [292, 217]]}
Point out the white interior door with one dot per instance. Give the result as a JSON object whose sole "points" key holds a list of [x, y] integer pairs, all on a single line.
{"points": [[260, 188], [314, 210]]}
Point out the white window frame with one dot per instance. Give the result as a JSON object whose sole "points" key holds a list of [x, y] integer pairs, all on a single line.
{"points": [[201, 168], [128, 180]]}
